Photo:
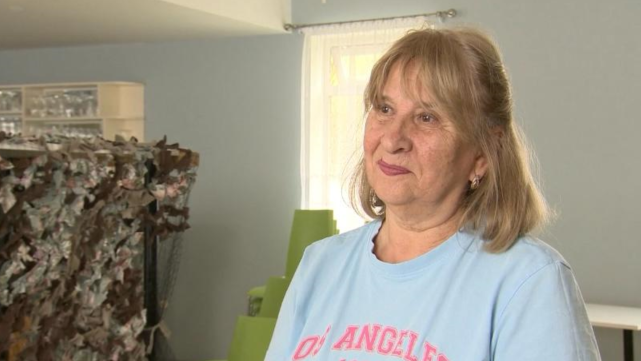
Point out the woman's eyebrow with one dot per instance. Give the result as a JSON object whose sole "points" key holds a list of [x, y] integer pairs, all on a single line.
{"points": [[428, 106], [384, 98]]}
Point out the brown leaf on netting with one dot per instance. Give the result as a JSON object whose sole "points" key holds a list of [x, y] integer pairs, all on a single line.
{"points": [[7, 320], [71, 243], [18, 339]]}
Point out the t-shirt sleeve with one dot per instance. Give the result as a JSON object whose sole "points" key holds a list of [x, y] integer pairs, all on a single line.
{"points": [[545, 320], [289, 323]]}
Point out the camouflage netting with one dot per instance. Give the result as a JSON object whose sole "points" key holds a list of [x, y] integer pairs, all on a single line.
{"points": [[78, 219]]}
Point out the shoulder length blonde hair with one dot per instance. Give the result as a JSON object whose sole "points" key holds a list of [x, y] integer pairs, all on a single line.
{"points": [[463, 69]]}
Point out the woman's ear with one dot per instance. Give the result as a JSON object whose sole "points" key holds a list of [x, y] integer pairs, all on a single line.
{"points": [[480, 163], [480, 166]]}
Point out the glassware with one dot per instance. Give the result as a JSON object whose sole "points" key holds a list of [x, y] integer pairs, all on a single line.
{"points": [[10, 100], [50, 105], [89, 101], [62, 103], [4, 101], [37, 107], [10, 124], [75, 104]]}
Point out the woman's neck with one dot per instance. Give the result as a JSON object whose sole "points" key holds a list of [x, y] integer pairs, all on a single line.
{"points": [[404, 238]]}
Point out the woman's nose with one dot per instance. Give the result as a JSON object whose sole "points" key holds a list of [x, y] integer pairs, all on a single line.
{"points": [[396, 137]]}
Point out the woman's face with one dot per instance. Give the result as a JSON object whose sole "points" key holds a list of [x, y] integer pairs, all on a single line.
{"points": [[413, 155]]}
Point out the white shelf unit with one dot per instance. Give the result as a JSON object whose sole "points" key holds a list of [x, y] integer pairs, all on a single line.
{"points": [[101, 108]]}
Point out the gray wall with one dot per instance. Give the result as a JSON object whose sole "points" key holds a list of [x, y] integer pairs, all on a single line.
{"points": [[577, 84], [236, 102], [576, 71]]}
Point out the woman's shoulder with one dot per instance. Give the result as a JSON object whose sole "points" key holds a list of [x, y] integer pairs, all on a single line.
{"points": [[527, 257], [526, 248], [535, 251]]}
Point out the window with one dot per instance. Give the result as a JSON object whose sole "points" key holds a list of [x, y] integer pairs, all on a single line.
{"points": [[336, 66]]}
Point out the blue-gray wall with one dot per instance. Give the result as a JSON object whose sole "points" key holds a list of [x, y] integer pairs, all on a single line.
{"points": [[577, 84]]}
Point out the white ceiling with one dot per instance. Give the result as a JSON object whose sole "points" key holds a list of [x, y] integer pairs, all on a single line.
{"points": [[48, 23]]}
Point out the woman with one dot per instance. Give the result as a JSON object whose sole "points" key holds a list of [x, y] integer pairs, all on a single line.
{"points": [[446, 271]]}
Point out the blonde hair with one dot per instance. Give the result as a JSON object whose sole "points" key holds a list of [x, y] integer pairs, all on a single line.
{"points": [[463, 70]]}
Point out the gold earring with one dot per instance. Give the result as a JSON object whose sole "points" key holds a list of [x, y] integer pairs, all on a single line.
{"points": [[475, 182], [375, 200]]}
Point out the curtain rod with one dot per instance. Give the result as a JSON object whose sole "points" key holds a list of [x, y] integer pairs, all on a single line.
{"points": [[441, 14]]}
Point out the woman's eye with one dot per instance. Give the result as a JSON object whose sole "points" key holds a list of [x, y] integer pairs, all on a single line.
{"points": [[385, 109], [427, 118]]}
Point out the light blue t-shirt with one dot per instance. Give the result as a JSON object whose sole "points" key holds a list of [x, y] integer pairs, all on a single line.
{"points": [[455, 303]]}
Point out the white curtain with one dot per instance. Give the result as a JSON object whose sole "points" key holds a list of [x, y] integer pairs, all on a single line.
{"points": [[337, 61]]}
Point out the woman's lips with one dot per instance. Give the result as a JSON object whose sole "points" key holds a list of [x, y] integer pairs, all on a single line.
{"points": [[391, 170]]}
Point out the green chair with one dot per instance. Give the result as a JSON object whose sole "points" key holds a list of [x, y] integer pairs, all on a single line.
{"points": [[255, 296], [308, 226], [251, 338], [274, 294], [252, 334]]}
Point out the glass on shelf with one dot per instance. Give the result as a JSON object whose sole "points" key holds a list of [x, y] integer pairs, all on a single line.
{"points": [[10, 100], [10, 124], [81, 130], [64, 103]]}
